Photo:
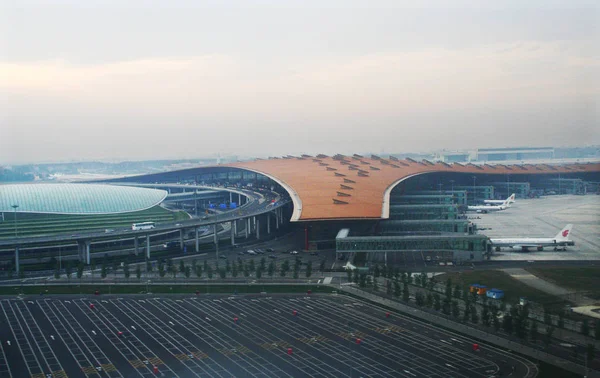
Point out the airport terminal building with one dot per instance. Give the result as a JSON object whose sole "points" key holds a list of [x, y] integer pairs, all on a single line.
{"points": [[367, 208], [387, 208]]}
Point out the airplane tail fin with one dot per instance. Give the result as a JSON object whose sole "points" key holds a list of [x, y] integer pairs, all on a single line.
{"points": [[511, 199], [507, 202], [564, 233]]}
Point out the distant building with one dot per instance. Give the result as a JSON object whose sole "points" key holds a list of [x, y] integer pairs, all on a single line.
{"points": [[517, 153], [453, 157]]}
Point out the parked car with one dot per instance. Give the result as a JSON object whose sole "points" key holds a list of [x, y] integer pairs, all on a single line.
{"points": [[250, 252], [171, 244], [272, 256], [270, 250], [241, 253], [223, 257], [314, 253], [293, 252]]}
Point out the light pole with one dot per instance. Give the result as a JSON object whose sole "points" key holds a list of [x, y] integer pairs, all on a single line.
{"points": [[15, 208], [17, 267]]}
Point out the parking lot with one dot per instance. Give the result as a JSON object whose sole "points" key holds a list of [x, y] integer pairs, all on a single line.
{"points": [[225, 336]]}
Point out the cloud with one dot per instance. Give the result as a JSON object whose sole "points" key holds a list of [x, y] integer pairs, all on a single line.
{"points": [[369, 83], [395, 100]]}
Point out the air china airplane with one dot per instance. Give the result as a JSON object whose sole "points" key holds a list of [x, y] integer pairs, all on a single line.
{"points": [[511, 200], [488, 208], [560, 240]]}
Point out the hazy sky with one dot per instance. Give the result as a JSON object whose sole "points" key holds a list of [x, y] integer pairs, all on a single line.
{"points": [[83, 80]]}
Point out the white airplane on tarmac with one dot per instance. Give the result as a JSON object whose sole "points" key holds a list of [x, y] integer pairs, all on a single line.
{"points": [[488, 208], [511, 200], [560, 240]]}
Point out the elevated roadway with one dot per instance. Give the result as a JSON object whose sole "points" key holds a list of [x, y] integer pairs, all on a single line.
{"points": [[257, 204]]}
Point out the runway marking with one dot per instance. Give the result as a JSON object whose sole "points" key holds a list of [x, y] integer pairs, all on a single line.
{"points": [[312, 340], [200, 355], [229, 352], [59, 374], [155, 361], [137, 364], [182, 357], [275, 345], [351, 335], [89, 370], [108, 367], [387, 330]]}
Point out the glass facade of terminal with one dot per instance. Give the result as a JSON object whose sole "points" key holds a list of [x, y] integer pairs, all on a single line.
{"points": [[391, 227], [409, 243], [505, 189], [476, 193], [423, 212], [459, 196], [423, 199]]}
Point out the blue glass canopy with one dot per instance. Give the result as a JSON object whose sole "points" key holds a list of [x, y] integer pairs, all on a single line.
{"points": [[77, 198]]}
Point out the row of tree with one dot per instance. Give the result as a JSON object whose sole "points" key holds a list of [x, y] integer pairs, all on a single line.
{"points": [[234, 269]]}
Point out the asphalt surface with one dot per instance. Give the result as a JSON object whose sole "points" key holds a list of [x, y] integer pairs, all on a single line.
{"points": [[190, 336]]}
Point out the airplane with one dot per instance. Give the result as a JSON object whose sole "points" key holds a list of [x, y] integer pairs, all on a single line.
{"points": [[349, 266], [511, 199], [560, 240], [487, 208]]}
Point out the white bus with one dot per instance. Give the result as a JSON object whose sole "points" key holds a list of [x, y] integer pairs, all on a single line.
{"points": [[142, 226]]}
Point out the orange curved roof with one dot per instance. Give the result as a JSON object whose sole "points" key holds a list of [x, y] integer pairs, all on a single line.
{"points": [[361, 183]]}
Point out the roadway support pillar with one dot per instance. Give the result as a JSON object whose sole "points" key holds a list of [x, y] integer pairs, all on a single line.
{"points": [[197, 240], [181, 245], [254, 222], [257, 226], [239, 199], [215, 237], [135, 245], [17, 266], [232, 225], [85, 252], [230, 197], [385, 258], [247, 228], [277, 219], [148, 246], [268, 223]]}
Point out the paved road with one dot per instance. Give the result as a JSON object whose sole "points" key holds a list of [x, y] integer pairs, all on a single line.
{"points": [[223, 336]]}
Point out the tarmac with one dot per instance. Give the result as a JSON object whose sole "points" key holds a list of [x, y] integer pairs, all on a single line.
{"points": [[545, 217]]}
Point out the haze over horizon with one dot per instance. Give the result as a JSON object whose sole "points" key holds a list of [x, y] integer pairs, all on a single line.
{"points": [[101, 80]]}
